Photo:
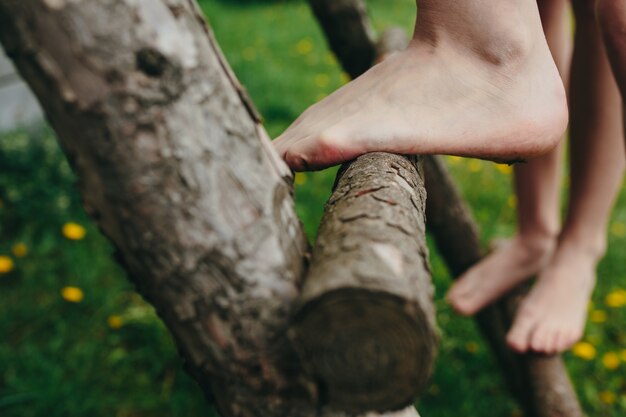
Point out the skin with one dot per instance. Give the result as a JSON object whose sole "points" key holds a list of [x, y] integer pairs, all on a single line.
{"points": [[469, 84], [547, 321], [537, 186], [612, 18]]}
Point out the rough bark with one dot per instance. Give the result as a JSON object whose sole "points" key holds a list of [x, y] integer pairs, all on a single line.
{"points": [[366, 327], [157, 131], [540, 383]]}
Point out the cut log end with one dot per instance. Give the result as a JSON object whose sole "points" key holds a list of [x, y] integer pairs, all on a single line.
{"points": [[358, 344]]}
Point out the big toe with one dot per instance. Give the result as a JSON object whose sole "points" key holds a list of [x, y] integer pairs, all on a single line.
{"points": [[542, 339], [518, 337], [319, 151], [462, 302]]}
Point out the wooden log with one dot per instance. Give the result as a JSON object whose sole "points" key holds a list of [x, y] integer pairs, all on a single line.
{"points": [[540, 383], [366, 327]]}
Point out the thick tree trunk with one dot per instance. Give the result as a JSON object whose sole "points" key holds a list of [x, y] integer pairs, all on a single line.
{"points": [[156, 129], [366, 327], [540, 383], [176, 170]]}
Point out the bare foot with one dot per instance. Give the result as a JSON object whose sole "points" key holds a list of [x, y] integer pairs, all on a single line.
{"points": [[552, 317], [490, 91], [511, 264]]}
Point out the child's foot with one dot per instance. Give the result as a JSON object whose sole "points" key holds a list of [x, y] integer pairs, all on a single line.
{"points": [[511, 264], [552, 316], [489, 92]]}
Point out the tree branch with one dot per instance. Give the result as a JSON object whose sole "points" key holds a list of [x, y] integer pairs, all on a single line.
{"points": [[366, 329]]}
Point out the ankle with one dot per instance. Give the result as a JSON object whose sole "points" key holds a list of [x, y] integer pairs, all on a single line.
{"points": [[495, 42], [538, 242], [589, 246]]}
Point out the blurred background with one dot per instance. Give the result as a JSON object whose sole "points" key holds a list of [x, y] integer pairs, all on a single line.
{"points": [[77, 341]]}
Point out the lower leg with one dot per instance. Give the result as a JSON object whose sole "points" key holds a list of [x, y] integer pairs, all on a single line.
{"points": [[537, 186], [612, 17], [477, 80], [553, 315]]}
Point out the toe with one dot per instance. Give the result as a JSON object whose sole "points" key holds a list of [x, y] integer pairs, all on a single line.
{"points": [[539, 339], [462, 305], [318, 152], [551, 345], [297, 161], [463, 284], [468, 295], [564, 341], [571, 337], [559, 342], [518, 337]]}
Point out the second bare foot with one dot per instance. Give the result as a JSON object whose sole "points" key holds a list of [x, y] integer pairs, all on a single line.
{"points": [[510, 264], [552, 317]]}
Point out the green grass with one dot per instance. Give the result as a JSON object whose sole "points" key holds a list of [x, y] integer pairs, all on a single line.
{"points": [[62, 358]]}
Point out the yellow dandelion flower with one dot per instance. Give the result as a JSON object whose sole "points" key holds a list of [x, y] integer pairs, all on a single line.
{"points": [[305, 46], [322, 80], [115, 322], [607, 397], [505, 169], [616, 299], [345, 78], [248, 54], [475, 165], [472, 347], [6, 264], [512, 201], [584, 350], [300, 178], [330, 59], [72, 294], [598, 316], [73, 231], [618, 229], [19, 250], [611, 361]]}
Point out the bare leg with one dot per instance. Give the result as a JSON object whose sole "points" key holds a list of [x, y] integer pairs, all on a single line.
{"points": [[553, 315], [612, 17], [477, 80], [537, 185]]}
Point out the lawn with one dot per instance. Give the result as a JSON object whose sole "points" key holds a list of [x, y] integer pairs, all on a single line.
{"points": [[78, 341]]}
